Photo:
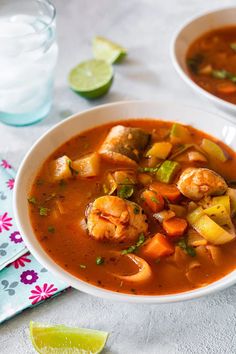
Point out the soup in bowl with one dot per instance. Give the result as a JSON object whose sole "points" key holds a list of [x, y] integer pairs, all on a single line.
{"points": [[136, 204]]}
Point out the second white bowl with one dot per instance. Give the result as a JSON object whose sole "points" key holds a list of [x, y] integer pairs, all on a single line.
{"points": [[187, 34]]}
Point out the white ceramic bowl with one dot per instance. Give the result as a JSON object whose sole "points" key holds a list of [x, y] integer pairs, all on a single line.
{"points": [[184, 37], [49, 142]]}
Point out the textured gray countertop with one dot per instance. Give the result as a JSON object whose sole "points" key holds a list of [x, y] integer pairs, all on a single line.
{"points": [[145, 27]]}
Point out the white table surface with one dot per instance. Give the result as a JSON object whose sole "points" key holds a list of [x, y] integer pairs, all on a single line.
{"points": [[145, 27]]}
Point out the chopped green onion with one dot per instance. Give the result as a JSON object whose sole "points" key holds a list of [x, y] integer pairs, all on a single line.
{"points": [[134, 248], [149, 169], [99, 260], [73, 171], [32, 200], [187, 249], [224, 74], [167, 171], [51, 229], [125, 191], [194, 62], [155, 200], [43, 211]]}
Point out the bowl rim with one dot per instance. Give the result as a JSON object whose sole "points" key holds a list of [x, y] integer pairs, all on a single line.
{"points": [[84, 286], [184, 76]]}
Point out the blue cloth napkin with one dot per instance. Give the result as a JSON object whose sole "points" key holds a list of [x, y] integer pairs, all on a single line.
{"points": [[23, 281]]}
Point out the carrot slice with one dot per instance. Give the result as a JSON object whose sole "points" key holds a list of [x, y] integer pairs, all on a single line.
{"points": [[170, 191], [157, 246], [227, 88], [153, 200], [175, 227]]}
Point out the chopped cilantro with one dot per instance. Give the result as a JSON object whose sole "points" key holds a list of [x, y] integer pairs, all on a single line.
{"points": [[134, 248], [136, 210], [149, 169], [43, 211], [73, 171], [99, 260], [155, 200], [187, 249], [194, 62], [32, 200], [224, 74], [125, 191], [51, 229]]}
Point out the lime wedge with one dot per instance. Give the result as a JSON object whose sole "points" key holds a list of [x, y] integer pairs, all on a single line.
{"points": [[106, 50], [66, 340], [91, 78]]}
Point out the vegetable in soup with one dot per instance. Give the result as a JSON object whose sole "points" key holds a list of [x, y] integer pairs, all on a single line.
{"points": [[141, 206], [211, 61]]}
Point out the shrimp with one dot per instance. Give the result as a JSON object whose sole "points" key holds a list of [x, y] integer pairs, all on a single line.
{"points": [[124, 144], [115, 219], [196, 183]]}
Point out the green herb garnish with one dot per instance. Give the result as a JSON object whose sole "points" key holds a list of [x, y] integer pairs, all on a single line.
{"points": [[32, 200], [134, 248], [136, 210], [224, 74], [51, 229], [125, 191], [43, 211], [187, 249], [155, 200], [83, 266], [73, 171], [99, 260], [149, 169], [194, 62]]}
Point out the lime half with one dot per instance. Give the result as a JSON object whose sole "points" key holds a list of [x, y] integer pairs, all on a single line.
{"points": [[66, 340], [91, 78], [106, 50]]}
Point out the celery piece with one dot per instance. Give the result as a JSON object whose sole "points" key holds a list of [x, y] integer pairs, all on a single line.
{"points": [[160, 150], [213, 150], [211, 231], [179, 134], [167, 171]]}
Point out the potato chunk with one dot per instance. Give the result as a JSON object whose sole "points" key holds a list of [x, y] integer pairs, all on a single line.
{"points": [[88, 166], [60, 168]]}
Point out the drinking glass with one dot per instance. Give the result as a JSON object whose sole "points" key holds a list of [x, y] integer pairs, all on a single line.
{"points": [[28, 56]]}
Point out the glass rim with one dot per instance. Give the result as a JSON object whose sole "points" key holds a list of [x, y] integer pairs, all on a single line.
{"points": [[52, 18]]}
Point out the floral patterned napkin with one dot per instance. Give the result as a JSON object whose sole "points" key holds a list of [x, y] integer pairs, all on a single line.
{"points": [[23, 281], [11, 243]]}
